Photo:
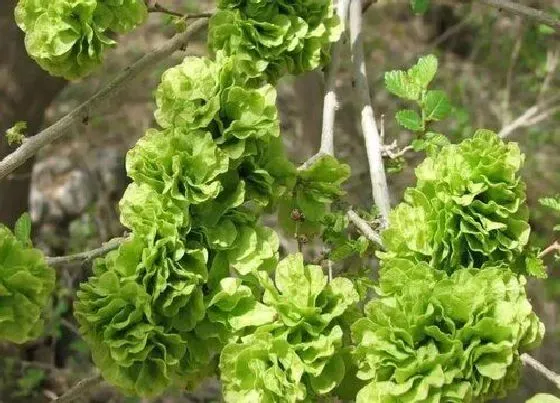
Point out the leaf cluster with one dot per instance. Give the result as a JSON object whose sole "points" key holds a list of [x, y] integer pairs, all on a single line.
{"points": [[452, 317], [68, 37], [158, 311], [26, 283], [298, 356], [280, 37]]}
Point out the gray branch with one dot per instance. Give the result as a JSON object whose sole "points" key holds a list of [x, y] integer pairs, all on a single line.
{"points": [[540, 368], [364, 228], [82, 113], [525, 11], [329, 101], [86, 256], [81, 389], [372, 138]]}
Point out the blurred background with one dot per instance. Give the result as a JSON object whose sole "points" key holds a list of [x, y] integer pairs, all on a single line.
{"points": [[495, 66]]}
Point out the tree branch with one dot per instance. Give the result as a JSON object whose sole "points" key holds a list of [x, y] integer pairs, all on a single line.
{"points": [[310, 161], [81, 114], [330, 102], [158, 8], [86, 256], [364, 227], [82, 388], [555, 246], [544, 371], [369, 126], [525, 11]]}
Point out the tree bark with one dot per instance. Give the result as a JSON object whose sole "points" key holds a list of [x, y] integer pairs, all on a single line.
{"points": [[25, 93]]}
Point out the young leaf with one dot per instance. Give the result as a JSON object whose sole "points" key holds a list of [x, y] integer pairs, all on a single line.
{"points": [[22, 229], [15, 134], [399, 83], [436, 105], [419, 6], [424, 71], [410, 119]]}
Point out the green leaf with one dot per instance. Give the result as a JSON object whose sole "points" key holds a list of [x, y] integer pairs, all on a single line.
{"points": [[424, 71], [22, 229], [543, 398], [15, 135], [419, 6], [400, 84], [410, 119], [551, 202], [535, 266], [436, 105]]}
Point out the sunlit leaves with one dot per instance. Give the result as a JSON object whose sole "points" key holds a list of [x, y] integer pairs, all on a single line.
{"points": [[279, 37], [68, 37]]}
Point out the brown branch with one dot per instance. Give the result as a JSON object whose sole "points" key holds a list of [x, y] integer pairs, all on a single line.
{"points": [[539, 367], [85, 256], [78, 391], [554, 247], [82, 113], [525, 11]]}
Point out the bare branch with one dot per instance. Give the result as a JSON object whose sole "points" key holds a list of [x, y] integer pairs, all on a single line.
{"points": [[364, 227], [392, 151], [158, 8], [311, 161], [330, 101], [369, 126], [525, 11], [506, 114], [554, 247], [86, 256], [530, 117], [81, 114], [535, 114], [82, 388], [552, 61], [539, 367]]}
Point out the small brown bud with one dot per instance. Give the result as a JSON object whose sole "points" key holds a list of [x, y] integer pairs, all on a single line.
{"points": [[297, 215]]}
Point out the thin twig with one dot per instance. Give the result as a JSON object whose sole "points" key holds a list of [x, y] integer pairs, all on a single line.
{"points": [[535, 114], [82, 388], [392, 151], [506, 113], [372, 138], [525, 11], [552, 61], [157, 8], [554, 247], [364, 227], [329, 100], [313, 159], [85, 256], [539, 367], [81, 115]]}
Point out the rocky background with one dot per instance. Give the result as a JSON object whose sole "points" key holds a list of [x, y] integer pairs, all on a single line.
{"points": [[493, 65]]}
